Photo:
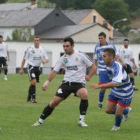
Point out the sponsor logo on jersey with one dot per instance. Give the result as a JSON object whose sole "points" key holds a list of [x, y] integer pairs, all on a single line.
{"points": [[65, 60], [72, 68], [37, 58], [33, 52]]}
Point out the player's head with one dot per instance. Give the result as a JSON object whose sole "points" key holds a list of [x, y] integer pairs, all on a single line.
{"points": [[102, 38], [68, 45], [36, 41], [108, 56], [126, 42], [1, 38]]}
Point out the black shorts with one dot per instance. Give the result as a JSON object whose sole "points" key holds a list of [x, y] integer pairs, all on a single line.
{"points": [[128, 69], [33, 73], [3, 61], [66, 88]]}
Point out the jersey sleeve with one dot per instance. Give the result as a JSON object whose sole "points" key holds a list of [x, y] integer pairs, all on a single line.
{"points": [[45, 55], [26, 54], [95, 54], [85, 58], [118, 74], [58, 65]]}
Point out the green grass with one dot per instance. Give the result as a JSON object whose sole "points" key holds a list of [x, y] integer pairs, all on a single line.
{"points": [[17, 116]]}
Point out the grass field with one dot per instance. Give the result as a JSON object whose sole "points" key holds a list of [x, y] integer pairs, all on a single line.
{"points": [[17, 116]]}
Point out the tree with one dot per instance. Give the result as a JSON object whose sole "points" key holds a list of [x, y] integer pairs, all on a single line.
{"points": [[112, 10], [73, 4], [21, 34], [133, 5], [3, 1]]}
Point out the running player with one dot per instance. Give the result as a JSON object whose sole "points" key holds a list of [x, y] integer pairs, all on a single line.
{"points": [[75, 64], [35, 55], [4, 57], [121, 89], [98, 59]]}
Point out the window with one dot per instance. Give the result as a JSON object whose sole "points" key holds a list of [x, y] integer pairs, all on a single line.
{"points": [[94, 19]]}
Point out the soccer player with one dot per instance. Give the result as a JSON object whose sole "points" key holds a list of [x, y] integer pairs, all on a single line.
{"points": [[35, 55], [98, 59], [4, 56], [127, 60], [121, 89], [75, 64]]}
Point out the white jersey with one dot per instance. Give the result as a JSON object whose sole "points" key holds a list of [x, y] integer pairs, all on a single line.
{"points": [[126, 54], [3, 50], [34, 56], [75, 66]]}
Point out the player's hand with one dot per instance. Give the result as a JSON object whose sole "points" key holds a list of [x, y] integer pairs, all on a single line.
{"points": [[87, 78], [44, 87], [21, 71], [94, 86], [43, 61]]}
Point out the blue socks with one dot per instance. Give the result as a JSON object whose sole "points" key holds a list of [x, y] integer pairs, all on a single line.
{"points": [[101, 96], [118, 120]]}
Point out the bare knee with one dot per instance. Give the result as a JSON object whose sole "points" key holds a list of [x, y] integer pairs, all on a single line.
{"points": [[82, 93], [108, 111], [55, 102]]}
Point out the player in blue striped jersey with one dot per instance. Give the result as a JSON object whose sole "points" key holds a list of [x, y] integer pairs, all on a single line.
{"points": [[121, 89], [98, 59]]}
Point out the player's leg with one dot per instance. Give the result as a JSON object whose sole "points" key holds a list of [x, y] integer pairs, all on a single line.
{"points": [[0, 67], [5, 66], [33, 90], [129, 71], [32, 87], [83, 94], [120, 111], [48, 110], [111, 108], [62, 93], [103, 78]]}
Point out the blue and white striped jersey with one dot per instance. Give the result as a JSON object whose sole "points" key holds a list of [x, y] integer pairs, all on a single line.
{"points": [[117, 74], [98, 54]]}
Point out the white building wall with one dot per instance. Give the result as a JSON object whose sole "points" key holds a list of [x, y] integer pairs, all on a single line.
{"points": [[90, 35], [56, 49]]}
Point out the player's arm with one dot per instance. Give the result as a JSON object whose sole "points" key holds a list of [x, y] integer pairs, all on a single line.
{"points": [[21, 71], [107, 85], [8, 58], [45, 61], [50, 78], [91, 72], [133, 61], [121, 61]]}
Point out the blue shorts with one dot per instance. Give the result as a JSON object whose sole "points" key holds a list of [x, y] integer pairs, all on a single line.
{"points": [[103, 77], [120, 101]]}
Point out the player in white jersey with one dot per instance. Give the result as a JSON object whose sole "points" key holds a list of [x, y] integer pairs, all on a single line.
{"points": [[35, 55], [75, 64], [121, 89], [127, 60], [98, 59], [4, 57]]}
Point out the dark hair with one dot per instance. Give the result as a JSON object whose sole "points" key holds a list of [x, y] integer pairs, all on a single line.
{"points": [[102, 34], [126, 39], [69, 39], [110, 51], [1, 36]]}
